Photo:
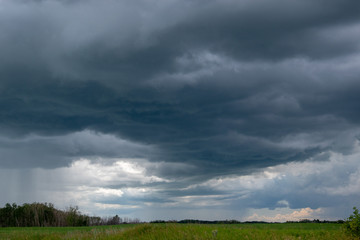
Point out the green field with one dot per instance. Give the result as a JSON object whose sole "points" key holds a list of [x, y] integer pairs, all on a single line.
{"points": [[285, 231]]}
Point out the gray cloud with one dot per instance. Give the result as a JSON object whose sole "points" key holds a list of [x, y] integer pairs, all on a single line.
{"points": [[34, 151], [212, 89]]}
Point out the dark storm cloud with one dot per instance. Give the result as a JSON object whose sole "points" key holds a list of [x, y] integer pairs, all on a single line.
{"points": [[229, 86], [35, 151], [260, 30]]}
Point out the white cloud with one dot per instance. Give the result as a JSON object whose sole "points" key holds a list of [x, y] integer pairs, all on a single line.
{"points": [[296, 215], [125, 171], [106, 192], [114, 206], [193, 201]]}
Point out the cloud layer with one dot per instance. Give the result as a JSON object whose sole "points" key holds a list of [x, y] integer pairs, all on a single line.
{"points": [[191, 91]]}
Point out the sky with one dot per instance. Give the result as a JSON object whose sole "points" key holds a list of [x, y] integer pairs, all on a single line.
{"points": [[182, 109]]}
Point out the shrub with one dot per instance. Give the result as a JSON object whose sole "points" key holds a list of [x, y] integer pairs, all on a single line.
{"points": [[352, 224]]}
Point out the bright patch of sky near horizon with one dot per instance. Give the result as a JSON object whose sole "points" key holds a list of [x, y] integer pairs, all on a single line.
{"points": [[126, 187]]}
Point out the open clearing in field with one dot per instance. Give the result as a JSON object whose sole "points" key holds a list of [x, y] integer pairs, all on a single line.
{"points": [[288, 231]]}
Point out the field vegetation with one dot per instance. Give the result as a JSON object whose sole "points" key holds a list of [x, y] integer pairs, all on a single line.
{"points": [[43, 221], [152, 231]]}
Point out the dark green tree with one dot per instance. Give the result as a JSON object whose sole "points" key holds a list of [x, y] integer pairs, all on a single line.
{"points": [[352, 224]]}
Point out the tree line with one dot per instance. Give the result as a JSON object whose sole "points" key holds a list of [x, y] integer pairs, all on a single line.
{"points": [[46, 215], [195, 221]]}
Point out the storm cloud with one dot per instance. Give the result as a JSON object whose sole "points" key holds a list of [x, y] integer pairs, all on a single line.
{"points": [[192, 91]]}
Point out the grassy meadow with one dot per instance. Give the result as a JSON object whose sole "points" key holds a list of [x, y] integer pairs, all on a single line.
{"points": [[285, 231]]}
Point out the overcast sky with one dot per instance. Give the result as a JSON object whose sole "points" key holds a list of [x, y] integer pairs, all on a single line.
{"points": [[174, 109]]}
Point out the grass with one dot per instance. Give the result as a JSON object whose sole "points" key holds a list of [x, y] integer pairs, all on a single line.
{"points": [[284, 231], [98, 232]]}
